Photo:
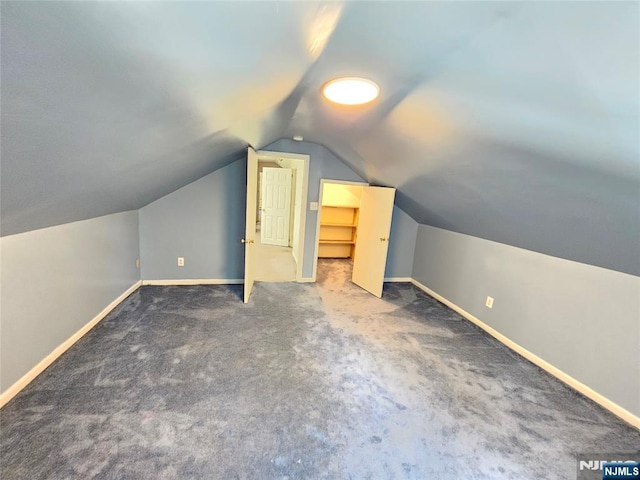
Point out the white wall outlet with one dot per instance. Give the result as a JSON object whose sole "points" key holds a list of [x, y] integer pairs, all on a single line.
{"points": [[181, 261], [313, 206], [489, 302], [137, 263]]}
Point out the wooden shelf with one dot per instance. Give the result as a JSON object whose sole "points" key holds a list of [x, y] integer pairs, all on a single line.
{"points": [[337, 242], [338, 229], [340, 206]]}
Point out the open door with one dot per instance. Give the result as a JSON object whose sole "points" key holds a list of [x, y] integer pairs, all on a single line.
{"points": [[372, 242], [250, 229], [276, 206]]}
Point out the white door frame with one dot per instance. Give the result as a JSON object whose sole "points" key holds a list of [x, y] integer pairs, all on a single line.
{"points": [[276, 157], [317, 243]]}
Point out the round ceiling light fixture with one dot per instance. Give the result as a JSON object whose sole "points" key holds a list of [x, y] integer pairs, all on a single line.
{"points": [[351, 91]]}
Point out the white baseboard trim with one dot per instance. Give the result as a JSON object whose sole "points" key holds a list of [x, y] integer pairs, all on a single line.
{"points": [[588, 392], [397, 279], [213, 281], [27, 378], [195, 281]]}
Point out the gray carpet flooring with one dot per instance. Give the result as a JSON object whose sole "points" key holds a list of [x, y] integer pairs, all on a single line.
{"points": [[305, 381]]}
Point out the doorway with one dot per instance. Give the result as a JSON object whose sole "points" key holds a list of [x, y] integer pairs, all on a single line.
{"points": [[274, 260], [277, 184], [354, 223]]}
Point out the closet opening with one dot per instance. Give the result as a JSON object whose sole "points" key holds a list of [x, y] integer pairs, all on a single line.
{"points": [[354, 222]]}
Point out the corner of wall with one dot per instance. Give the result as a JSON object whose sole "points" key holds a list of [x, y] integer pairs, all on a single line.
{"points": [[74, 270]]}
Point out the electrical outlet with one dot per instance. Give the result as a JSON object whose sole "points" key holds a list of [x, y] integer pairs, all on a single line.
{"points": [[313, 206], [137, 263], [489, 302], [181, 261]]}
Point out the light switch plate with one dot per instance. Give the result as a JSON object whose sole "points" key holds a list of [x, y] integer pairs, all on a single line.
{"points": [[313, 206]]}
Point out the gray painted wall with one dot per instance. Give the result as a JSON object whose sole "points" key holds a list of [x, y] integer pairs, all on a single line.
{"points": [[325, 165], [402, 243], [584, 320], [202, 222], [55, 280]]}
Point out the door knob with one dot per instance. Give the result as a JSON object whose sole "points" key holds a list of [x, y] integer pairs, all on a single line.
{"points": [[383, 239], [245, 241]]}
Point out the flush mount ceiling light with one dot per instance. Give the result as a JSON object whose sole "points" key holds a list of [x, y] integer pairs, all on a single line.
{"points": [[351, 91]]}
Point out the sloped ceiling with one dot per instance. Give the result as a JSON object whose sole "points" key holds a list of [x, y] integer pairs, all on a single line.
{"points": [[515, 121]]}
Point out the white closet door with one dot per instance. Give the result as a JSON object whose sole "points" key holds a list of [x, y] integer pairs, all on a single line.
{"points": [[372, 242]]}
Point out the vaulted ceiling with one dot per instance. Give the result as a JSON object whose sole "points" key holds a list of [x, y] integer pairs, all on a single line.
{"points": [[517, 121]]}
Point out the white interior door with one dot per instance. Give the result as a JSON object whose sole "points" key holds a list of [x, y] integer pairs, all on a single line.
{"points": [[372, 242], [276, 206], [250, 228]]}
